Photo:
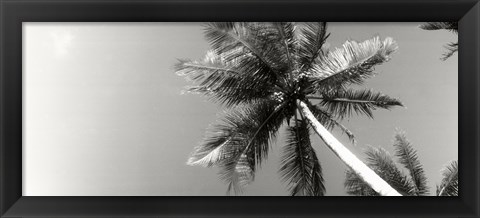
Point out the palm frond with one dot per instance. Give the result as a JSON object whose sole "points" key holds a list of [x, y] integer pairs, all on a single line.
{"points": [[311, 39], [242, 142], [229, 136], [300, 166], [352, 63], [328, 120], [450, 26], [255, 40], [228, 83], [449, 184], [451, 49], [207, 157], [409, 159], [343, 103], [356, 186], [286, 33], [200, 70], [382, 163], [238, 172]]}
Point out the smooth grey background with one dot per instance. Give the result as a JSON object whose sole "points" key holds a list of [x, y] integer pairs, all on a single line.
{"points": [[104, 114]]}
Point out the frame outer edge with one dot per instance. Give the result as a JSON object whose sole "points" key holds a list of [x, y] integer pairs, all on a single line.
{"points": [[475, 12], [471, 52], [2, 67]]}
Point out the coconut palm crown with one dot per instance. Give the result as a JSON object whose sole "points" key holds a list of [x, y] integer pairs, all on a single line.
{"points": [[263, 74], [412, 183]]}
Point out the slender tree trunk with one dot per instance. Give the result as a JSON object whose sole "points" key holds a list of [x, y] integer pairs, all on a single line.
{"points": [[361, 169]]}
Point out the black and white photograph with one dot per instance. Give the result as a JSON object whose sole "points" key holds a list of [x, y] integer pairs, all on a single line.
{"points": [[240, 109]]}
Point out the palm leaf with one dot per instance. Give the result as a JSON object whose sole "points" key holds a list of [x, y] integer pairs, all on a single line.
{"points": [[311, 39], [356, 186], [287, 37], [409, 159], [343, 103], [449, 184], [230, 135], [229, 83], [300, 166], [451, 26], [238, 172], [352, 63], [255, 40], [451, 49], [259, 127], [382, 163]]}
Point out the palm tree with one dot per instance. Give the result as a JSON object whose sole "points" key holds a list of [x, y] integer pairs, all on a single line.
{"points": [[450, 26], [269, 74], [449, 184], [412, 184]]}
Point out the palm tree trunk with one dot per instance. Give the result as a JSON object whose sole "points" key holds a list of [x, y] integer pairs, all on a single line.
{"points": [[361, 169]]}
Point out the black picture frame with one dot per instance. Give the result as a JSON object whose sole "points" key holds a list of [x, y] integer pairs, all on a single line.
{"points": [[14, 12]]}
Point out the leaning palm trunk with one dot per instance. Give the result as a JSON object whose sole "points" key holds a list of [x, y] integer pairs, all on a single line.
{"points": [[362, 170]]}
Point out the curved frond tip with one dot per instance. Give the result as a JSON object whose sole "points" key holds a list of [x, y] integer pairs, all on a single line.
{"points": [[353, 62], [300, 166], [211, 158], [409, 159], [451, 26], [449, 184], [344, 103]]}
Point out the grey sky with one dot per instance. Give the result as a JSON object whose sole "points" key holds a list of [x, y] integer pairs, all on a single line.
{"points": [[104, 113]]}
